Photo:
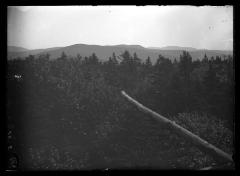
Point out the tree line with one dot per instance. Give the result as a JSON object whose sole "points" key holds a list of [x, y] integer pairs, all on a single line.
{"points": [[169, 87]]}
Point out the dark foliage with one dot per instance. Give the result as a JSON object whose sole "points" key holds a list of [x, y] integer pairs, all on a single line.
{"points": [[68, 113]]}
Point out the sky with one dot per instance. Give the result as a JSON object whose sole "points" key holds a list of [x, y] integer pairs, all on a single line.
{"points": [[206, 27]]}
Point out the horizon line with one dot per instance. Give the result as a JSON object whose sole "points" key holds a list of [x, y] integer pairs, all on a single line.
{"points": [[146, 47]]}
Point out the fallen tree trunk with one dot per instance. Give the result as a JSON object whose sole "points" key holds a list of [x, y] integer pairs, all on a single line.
{"points": [[217, 154]]}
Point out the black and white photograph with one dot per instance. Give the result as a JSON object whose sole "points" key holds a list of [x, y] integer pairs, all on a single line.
{"points": [[120, 87]]}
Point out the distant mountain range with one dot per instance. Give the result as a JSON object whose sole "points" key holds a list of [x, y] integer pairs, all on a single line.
{"points": [[104, 52]]}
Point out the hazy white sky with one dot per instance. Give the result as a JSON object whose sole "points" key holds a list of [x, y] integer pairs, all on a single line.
{"points": [[35, 27]]}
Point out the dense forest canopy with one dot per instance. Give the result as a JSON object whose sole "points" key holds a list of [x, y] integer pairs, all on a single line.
{"points": [[76, 101]]}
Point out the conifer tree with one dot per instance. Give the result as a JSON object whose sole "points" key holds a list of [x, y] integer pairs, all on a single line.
{"points": [[185, 65], [114, 59], [148, 62], [63, 55], [136, 60]]}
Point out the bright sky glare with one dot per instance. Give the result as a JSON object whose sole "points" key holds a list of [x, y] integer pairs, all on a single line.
{"points": [[35, 27]]}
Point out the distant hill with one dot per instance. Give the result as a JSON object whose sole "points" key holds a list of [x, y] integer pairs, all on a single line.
{"points": [[16, 49], [104, 52], [14, 52]]}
